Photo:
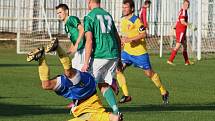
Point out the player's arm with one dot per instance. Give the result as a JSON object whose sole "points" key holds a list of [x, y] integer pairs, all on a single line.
{"points": [[184, 22], [75, 22], [80, 36], [88, 50], [88, 28], [140, 36]]}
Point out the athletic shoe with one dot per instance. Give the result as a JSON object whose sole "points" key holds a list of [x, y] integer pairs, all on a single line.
{"points": [[125, 99], [35, 54], [115, 87], [165, 98], [120, 116], [52, 46], [170, 63], [189, 63]]}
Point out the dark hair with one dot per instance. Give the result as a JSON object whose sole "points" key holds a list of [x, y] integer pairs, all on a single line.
{"points": [[187, 1], [147, 2], [97, 1], [63, 6], [130, 2]]}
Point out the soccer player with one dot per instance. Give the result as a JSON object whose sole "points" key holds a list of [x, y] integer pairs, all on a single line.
{"points": [[75, 31], [103, 47], [135, 51], [73, 84], [181, 28], [143, 13]]}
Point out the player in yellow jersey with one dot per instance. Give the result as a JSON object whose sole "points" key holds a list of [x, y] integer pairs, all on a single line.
{"points": [[73, 84], [135, 51]]}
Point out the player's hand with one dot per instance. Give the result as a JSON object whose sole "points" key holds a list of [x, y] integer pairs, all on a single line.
{"points": [[124, 40], [72, 50], [85, 68]]}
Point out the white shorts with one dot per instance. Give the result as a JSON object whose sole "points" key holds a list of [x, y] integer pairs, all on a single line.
{"points": [[78, 59], [103, 69]]}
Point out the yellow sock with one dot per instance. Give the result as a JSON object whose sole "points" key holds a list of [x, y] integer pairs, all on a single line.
{"points": [[122, 83], [156, 79], [43, 69], [64, 58]]}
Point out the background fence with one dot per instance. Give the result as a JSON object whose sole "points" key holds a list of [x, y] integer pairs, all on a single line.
{"points": [[26, 16]]}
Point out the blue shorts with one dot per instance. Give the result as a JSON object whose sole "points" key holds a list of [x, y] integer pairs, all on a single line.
{"points": [[141, 61]]}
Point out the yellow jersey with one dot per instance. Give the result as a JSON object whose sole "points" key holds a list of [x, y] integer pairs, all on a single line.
{"points": [[130, 28]]}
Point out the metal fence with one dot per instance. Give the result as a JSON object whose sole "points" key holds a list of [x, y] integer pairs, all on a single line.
{"points": [[161, 16], [9, 12]]}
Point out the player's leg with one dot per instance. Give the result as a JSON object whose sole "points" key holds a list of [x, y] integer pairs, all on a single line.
{"points": [[143, 61], [121, 78], [157, 81], [92, 110], [179, 39], [108, 94], [38, 54], [115, 86], [101, 69], [185, 54], [63, 56]]}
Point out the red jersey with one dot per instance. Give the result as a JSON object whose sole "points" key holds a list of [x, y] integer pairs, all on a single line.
{"points": [[143, 16], [181, 15]]}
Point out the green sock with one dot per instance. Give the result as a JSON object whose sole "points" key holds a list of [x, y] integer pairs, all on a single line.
{"points": [[110, 98]]}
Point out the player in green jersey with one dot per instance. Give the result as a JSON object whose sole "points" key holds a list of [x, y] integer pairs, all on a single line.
{"points": [[75, 31], [103, 47]]}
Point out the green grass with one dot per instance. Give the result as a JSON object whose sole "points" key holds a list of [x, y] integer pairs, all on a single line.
{"points": [[192, 93]]}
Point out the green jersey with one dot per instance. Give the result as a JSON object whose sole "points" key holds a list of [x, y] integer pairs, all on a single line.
{"points": [[71, 28], [102, 26]]}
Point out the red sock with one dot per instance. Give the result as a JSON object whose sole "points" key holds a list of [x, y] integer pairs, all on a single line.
{"points": [[185, 56], [172, 56]]}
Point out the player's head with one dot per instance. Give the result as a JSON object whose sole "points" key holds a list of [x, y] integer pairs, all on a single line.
{"points": [[147, 3], [128, 7], [93, 3], [62, 11], [186, 4]]}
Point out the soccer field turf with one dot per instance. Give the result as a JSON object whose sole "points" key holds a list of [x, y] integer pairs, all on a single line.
{"points": [[192, 91]]}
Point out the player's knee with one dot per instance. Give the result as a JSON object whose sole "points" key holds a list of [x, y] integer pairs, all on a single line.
{"points": [[103, 87], [149, 73]]}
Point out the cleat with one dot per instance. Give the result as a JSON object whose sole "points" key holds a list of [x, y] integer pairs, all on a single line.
{"points": [[165, 98], [120, 116], [35, 54], [188, 63], [125, 99], [170, 63], [52, 46], [115, 87]]}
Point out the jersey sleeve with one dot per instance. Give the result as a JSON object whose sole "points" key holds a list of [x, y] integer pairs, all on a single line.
{"points": [[88, 24], [74, 21]]}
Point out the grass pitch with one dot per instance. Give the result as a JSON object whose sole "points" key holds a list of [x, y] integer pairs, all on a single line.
{"points": [[192, 93]]}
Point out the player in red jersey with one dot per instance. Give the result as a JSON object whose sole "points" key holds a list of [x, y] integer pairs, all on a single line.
{"points": [[181, 28], [143, 13]]}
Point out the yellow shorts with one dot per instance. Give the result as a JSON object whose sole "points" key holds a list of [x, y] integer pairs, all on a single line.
{"points": [[90, 110]]}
